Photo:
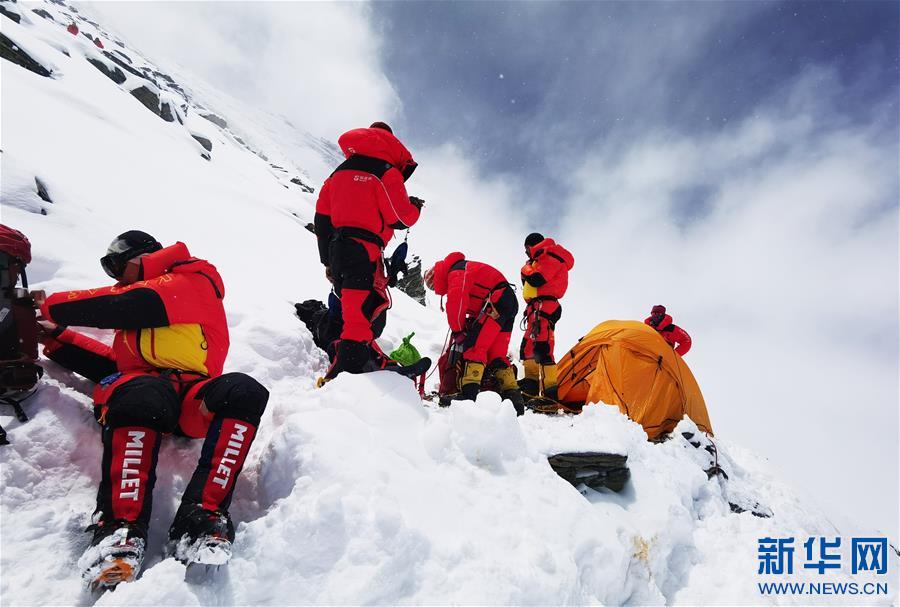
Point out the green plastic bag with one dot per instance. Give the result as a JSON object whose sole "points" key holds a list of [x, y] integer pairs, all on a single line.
{"points": [[406, 353]]}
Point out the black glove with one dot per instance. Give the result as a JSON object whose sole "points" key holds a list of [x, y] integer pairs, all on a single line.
{"points": [[416, 202]]}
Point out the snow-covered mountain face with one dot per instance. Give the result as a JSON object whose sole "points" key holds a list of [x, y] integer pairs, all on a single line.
{"points": [[358, 492]]}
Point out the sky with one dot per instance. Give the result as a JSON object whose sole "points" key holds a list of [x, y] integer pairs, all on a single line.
{"points": [[735, 161]]}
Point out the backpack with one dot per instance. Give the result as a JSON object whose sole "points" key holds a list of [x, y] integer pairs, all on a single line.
{"points": [[19, 371]]}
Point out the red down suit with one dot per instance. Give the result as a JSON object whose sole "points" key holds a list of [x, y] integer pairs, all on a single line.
{"points": [[677, 337], [481, 303], [359, 207], [162, 374], [545, 278]]}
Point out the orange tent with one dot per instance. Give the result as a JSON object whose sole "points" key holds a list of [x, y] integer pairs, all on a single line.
{"points": [[627, 363]]}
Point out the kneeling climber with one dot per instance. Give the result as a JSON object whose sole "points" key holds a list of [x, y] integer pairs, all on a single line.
{"points": [[481, 310]]}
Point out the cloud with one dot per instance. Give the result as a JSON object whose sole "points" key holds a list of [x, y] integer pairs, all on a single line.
{"points": [[773, 242], [317, 63]]}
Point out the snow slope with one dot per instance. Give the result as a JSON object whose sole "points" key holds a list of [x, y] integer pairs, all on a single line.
{"points": [[355, 493]]}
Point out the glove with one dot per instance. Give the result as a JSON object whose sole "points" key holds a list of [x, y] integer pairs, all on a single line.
{"points": [[416, 202], [328, 274], [48, 330]]}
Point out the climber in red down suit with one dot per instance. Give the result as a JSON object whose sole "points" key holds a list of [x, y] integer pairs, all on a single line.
{"points": [[672, 333], [162, 375], [545, 278], [359, 207], [481, 311]]}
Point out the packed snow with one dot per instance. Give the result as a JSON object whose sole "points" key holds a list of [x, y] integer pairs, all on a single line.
{"points": [[359, 492]]}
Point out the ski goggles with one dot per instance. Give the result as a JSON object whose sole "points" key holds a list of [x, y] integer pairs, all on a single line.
{"points": [[114, 263]]}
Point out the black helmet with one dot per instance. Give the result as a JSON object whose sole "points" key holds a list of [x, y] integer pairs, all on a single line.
{"points": [[125, 247], [533, 239]]}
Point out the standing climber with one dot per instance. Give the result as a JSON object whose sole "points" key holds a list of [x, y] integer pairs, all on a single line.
{"points": [[545, 278], [481, 310], [162, 375], [675, 335], [359, 207]]}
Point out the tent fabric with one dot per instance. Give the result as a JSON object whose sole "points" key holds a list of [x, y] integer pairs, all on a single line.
{"points": [[629, 364]]}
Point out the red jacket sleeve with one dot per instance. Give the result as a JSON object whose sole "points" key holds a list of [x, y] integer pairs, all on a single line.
{"points": [[159, 302], [397, 210], [81, 354], [457, 297], [683, 339]]}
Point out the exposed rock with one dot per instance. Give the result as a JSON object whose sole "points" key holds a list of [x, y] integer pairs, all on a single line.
{"points": [[11, 52], [123, 55], [42, 191], [412, 282], [14, 16], [149, 98], [171, 83], [310, 227], [216, 120], [306, 188], [42, 13], [114, 74], [165, 112], [206, 143], [123, 65]]}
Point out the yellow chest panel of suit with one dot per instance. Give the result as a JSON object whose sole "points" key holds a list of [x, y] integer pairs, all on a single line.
{"points": [[175, 347]]}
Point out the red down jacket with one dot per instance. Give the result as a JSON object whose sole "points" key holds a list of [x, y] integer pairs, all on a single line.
{"points": [[546, 273], [367, 191], [672, 333], [467, 287], [172, 319]]}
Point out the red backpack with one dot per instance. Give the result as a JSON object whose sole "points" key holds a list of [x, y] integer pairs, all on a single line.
{"points": [[19, 371]]}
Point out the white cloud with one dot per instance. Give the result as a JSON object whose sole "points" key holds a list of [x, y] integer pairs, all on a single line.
{"points": [[787, 280], [315, 62]]}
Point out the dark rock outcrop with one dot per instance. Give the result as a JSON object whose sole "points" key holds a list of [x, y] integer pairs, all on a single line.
{"points": [[216, 120], [166, 113], [42, 13], [42, 191], [11, 52], [123, 65], [114, 74], [11, 14], [206, 143], [412, 282], [147, 97], [306, 188]]}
